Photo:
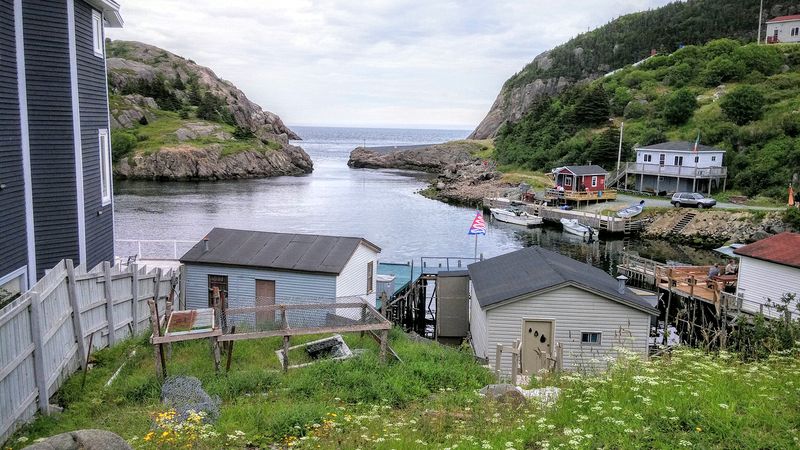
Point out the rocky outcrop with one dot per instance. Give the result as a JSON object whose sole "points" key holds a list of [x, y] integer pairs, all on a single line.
{"points": [[132, 109], [82, 440], [715, 227], [186, 162], [131, 62], [462, 177]]}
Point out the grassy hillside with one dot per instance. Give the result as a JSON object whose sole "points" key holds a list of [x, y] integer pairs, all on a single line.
{"points": [[742, 98], [631, 37]]}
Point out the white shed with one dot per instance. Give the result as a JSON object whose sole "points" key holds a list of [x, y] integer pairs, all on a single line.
{"points": [[783, 29], [542, 298], [769, 269]]}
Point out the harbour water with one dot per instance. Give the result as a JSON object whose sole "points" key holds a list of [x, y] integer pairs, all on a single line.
{"points": [[380, 205]]}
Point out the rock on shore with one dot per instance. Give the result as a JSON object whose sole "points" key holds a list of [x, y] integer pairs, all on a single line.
{"points": [[712, 228], [462, 177]]}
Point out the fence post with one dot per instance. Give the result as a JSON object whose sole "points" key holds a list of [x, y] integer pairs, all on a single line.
{"points": [[134, 268], [182, 296], [497, 356], [157, 286], [384, 345], [285, 326], [77, 326], [112, 324], [37, 332]]}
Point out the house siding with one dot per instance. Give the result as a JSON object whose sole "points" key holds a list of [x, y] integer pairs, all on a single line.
{"points": [[13, 243], [574, 311], [762, 280], [290, 287], [477, 325], [47, 72], [670, 184], [352, 281], [93, 103], [704, 158], [784, 31]]}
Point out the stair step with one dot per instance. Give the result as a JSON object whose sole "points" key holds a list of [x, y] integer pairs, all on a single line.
{"points": [[683, 223]]}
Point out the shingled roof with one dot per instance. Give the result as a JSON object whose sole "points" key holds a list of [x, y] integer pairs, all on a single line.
{"points": [[280, 251], [591, 169], [681, 146], [534, 269], [782, 248]]}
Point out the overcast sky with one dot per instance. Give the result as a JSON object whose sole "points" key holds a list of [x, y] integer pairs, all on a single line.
{"points": [[395, 63]]}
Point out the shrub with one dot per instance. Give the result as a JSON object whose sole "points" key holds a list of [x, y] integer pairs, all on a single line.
{"points": [[679, 75], [122, 144], [791, 125], [721, 47], [791, 216], [679, 106], [742, 105], [763, 58], [635, 110], [243, 133], [622, 96], [592, 107], [720, 70]]}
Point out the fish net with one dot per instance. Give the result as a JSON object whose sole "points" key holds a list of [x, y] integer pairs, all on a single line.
{"points": [[186, 394]]}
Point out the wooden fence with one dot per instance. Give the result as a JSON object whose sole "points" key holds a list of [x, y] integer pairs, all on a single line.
{"points": [[45, 333]]}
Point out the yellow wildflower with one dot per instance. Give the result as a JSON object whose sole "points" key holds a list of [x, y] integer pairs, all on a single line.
{"points": [[148, 436]]}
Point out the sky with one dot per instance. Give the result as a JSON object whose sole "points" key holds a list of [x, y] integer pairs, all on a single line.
{"points": [[375, 63]]}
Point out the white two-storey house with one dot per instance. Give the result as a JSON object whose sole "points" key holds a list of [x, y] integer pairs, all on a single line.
{"points": [[676, 167]]}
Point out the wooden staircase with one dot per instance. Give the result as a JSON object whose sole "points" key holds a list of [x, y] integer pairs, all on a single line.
{"points": [[688, 217]]}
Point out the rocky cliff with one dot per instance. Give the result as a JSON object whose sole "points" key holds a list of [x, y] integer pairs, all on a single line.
{"points": [[173, 119]]}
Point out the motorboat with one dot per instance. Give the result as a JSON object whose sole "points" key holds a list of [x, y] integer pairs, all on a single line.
{"points": [[631, 211], [515, 216], [572, 226]]}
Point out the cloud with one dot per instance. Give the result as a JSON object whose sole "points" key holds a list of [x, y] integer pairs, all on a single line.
{"points": [[376, 63]]}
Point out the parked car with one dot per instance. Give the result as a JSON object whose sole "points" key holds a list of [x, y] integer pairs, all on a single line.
{"points": [[692, 199]]}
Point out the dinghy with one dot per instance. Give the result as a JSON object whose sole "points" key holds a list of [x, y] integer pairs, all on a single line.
{"points": [[572, 226], [515, 216], [631, 211]]}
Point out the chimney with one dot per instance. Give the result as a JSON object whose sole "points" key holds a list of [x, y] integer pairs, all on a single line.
{"points": [[205, 243], [621, 283]]}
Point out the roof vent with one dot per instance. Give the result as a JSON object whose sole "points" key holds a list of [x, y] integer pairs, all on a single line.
{"points": [[205, 244], [621, 283]]}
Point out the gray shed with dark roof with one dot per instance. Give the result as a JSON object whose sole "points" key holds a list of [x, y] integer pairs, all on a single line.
{"points": [[286, 267], [581, 307]]}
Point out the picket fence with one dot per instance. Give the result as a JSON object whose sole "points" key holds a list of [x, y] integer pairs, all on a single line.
{"points": [[45, 333]]}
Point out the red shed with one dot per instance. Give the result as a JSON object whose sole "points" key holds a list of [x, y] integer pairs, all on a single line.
{"points": [[590, 178]]}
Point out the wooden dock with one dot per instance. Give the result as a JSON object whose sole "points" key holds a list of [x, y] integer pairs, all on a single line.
{"points": [[602, 222]]}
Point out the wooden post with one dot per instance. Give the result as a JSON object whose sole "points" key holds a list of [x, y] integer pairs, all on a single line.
{"points": [[134, 268], [230, 351], [560, 356], [77, 326], [160, 362], [167, 315], [285, 326], [666, 313], [107, 293], [157, 286], [384, 345], [363, 315], [37, 332], [497, 355], [514, 363], [215, 354]]}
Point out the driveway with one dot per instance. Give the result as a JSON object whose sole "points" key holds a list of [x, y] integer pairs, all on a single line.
{"points": [[664, 202]]}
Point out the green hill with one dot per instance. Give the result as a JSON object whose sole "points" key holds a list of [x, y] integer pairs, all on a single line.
{"points": [[742, 98]]}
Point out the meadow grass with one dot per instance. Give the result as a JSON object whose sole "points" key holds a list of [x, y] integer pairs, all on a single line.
{"points": [[687, 399]]}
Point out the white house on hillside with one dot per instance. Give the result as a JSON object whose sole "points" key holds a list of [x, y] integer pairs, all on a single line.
{"points": [[543, 298], [783, 29], [676, 167], [769, 269]]}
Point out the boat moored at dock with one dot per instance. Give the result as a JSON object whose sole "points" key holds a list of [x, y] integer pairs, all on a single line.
{"points": [[515, 216], [572, 226]]}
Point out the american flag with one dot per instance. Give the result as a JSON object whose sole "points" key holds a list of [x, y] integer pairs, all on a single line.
{"points": [[478, 225]]}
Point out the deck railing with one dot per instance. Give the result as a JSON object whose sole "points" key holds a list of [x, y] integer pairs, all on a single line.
{"points": [[605, 194], [676, 171], [152, 249]]}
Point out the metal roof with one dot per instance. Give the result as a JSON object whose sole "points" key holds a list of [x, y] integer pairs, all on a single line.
{"points": [[681, 146], [782, 248], [534, 269], [785, 19], [281, 251], [592, 169]]}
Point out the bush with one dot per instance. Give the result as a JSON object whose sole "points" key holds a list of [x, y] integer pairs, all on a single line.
{"points": [[622, 96], [722, 69], [679, 75], [791, 125], [791, 216], [743, 105], [679, 106], [592, 107], [762, 58], [721, 47], [635, 110], [122, 144]]}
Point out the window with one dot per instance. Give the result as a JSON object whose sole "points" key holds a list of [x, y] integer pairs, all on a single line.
{"points": [[105, 166], [662, 158], [97, 33], [713, 158], [591, 337], [679, 160], [696, 159], [594, 181], [648, 157], [13, 285], [568, 181], [370, 277]]}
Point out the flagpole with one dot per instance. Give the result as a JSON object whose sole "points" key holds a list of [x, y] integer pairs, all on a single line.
{"points": [[476, 246]]}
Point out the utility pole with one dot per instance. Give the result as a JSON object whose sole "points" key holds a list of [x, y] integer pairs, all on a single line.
{"points": [[760, 20], [619, 153]]}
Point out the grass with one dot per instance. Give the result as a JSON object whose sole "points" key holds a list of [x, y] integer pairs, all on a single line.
{"points": [[515, 174], [686, 399]]}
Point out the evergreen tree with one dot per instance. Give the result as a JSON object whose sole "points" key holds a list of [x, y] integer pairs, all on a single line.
{"points": [[592, 108], [743, 105], [679, 107]]}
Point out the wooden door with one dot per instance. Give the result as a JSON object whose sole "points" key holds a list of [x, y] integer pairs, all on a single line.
{"points": [[221, 282], [265, 295], [537, 337]]}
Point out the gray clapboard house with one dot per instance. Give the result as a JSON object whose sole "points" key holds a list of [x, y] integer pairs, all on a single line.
{"points": [[55, 155], [263, 268], [542, 298]]}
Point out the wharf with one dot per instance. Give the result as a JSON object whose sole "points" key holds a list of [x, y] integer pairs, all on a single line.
{"points": [[601, 222]]}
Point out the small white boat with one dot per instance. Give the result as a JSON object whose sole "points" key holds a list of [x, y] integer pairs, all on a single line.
{"points": [[631, 211], [572, 226], [515, 216]]}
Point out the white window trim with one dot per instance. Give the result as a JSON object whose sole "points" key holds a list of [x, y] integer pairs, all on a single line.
{"points": [[105, 169], [568, 181], [599, 338], [648, 157], [21, 273], [594, 181], [98, 40]]}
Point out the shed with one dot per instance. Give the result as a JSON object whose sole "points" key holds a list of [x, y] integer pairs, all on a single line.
{"points": [[256, 268], [542, 298], [590, 178], [769, 269]]}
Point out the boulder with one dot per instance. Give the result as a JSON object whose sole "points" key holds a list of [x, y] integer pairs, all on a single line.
{"points": [[503, 393], [82, 440]]}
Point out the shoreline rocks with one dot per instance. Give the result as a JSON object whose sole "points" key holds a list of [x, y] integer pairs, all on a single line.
{"points": [[713, 228]]}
